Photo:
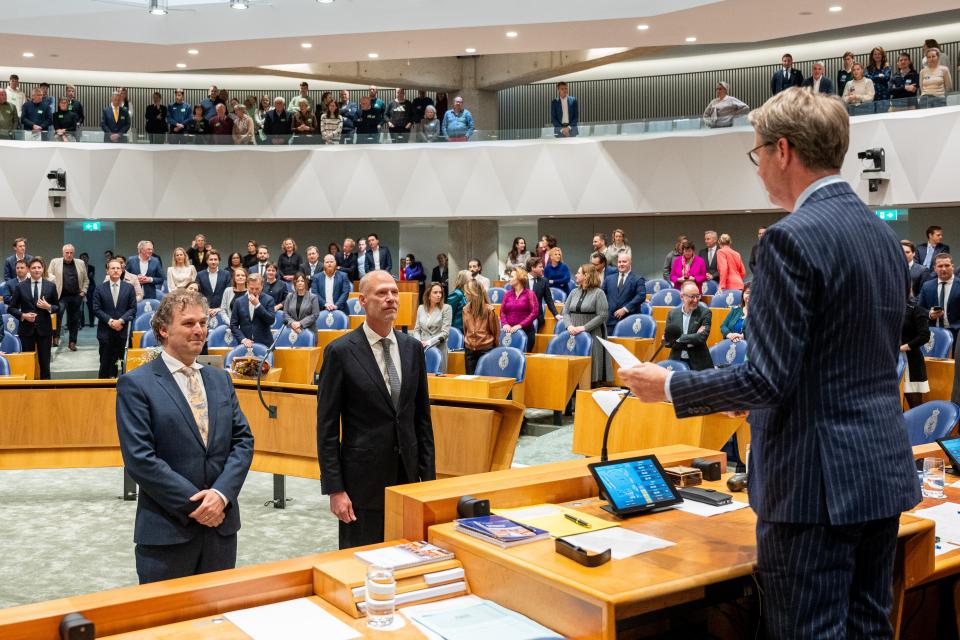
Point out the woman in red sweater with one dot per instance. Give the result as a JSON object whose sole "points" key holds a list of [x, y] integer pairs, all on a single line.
{"points": [[730, 265], [519, 309]]}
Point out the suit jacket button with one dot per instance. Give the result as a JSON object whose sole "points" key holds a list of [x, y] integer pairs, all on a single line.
{"points": [[396, 449]]}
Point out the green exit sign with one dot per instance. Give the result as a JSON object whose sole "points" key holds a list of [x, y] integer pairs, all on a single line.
{"points": [[892, 215], [91, 225]]}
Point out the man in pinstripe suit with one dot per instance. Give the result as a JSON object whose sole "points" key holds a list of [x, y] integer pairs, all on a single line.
{"points": [[831, 468]]}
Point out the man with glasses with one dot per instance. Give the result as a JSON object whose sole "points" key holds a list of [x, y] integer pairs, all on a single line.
{"points": [[831, 467], [687, 329]]}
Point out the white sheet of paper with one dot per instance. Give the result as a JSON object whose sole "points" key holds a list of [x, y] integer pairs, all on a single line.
{"points": [[619, 353], [534, 512], [622, 543], [607, 400], [955, 485], [466, 377], [946, 517], [297, 619], [707, 510]]}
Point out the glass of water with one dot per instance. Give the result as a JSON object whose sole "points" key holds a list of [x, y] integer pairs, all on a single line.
{"points": [[933, 477], [381, 596]]}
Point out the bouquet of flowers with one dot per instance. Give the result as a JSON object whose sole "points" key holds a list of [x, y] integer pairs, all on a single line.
{"points": [[246, 367]]}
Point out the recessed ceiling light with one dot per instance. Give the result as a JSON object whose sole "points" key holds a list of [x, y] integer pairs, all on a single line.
{"points": [[373, 55], [239, 4], [836, 9], [325, 1], [27, 54], [512, 34], [470, 50], [157, 7], [642, 27], [692, 39], [306, 45], [192, 52], [180, 65]]}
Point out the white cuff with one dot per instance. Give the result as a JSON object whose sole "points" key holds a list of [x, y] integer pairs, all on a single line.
{"points": [[225, 501], [666, 388]]}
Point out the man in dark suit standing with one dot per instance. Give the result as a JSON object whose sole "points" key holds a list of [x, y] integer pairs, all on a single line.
{"points": [[331, 287], [709, 255], [34, 301], [19, 253], [687, 329], [540, 287], [625, 291], [213, 282], [197, 254], [929, 250], [919, 274], [818, 82], [756, 248], [564, 113], [147, 268], [115, 120], [186, 443], [115, 305], [786, 76], [378, 257], [373, 415], [831, 468], [21, 273], [347, 260], [941, 298], [252, 314]]}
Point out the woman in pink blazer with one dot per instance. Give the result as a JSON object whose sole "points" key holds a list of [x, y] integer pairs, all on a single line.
{"points": [[688, 266], [730, 265]]}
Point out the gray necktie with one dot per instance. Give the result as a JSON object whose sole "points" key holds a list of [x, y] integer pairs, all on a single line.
{"points": [[115, 291], [391, 373]]}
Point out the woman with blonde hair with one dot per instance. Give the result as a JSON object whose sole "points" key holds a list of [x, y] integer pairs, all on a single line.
{"points": [[458, 298], [481, 328], [585, 311], [289, 263], [555, 271], [618, 246], [238, 287], [182, 272], [434, 318], [730, 265]]}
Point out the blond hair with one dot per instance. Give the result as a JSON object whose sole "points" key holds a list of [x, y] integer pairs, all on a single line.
{"points": [[521, 275], [725, 239], [476, 298], [591, 276], [816, 125]]}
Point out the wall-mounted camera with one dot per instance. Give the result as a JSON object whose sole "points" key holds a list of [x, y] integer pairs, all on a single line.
{"points": [[873, 168], [58, 186]]}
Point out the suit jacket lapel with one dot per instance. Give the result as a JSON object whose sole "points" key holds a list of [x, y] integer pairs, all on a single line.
{"points": [[166, 382], [364, 355], [208, 385]]}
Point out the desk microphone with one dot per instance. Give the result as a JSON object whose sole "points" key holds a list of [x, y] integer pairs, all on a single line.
{"points": [[271, 408], [126, 347]]}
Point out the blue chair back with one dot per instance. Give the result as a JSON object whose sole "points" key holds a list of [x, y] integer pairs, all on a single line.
{"points": [[674, 365], [901, 366], [355, 308], [147, 305], [505, 362], [727, 353], [10, 343], [215, 321], [646, 309], [709, 287], [433, 359], [148, 340], [242, 351], [517, 340], [4, 366], [931, 421], [3, 306], [221, 337], [654, 286], [636, 326], [560, 328], [665, 298], [496, 295], [291, 339], [455, 340], [277, 321], [559, 295], [564, 344], [335, 319], [729, 298], [940, 344], [142, 323], [10, 323]]}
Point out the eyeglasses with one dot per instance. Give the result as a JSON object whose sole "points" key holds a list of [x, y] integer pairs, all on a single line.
{"points": [[692, 296], [752, 154]]}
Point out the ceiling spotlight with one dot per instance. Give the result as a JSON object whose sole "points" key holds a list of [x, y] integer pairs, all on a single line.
{"points": [[642, 27], [239, 4], [27, 54], [180, 65], [325, 1], [157, 7], [836, 9], [470, 50], [373, 55], [306, 45], [193, 52], [512, 34], [692, 39]]}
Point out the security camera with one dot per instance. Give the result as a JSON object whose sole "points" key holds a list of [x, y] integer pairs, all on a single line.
{"points": [[58, 187], [873, 167]]}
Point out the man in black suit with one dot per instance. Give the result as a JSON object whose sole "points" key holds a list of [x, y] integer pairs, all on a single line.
{"points": [[252, 314], [755, 248], [818, 82], [786, 76], [19, 253], [213, 282], [373, 415], [929, 250], [21, 273], [540, 286], [33, 303], [918, 273], [940, 292], [625, 292], [709, 254], [347, 260], [313, 265], [197, 254], [687, 330], [378, 257], [115, 305]]}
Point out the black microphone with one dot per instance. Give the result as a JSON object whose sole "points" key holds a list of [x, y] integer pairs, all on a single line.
{"points": [[126, 347], [271, 408]]}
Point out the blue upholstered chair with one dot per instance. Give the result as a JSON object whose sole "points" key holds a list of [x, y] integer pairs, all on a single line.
{"points": [[659, 284], [242, 351], [148, 340], [646, 309], [277, 321], [636, 326], [332, 320], [221, 337], [496, 295], [729, 298], [560, 328], [563, 344], [505, 362], [10, 343], [674, 365], [559, 295], [142, 323], [931, 421], [517, 340], [10, 323], [433, 359], [901, 366], [355, 308], [147, 305], [455, 340], [665, 298], [291, 339], [4, 366], [709, 287], [940, 344], [727, 353]]}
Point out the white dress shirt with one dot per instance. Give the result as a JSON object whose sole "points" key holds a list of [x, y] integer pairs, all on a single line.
{"points": [[376, 259], [374, 339], [143, 267], [328, 288], [946, 299], [564, 111], [212, 276]]}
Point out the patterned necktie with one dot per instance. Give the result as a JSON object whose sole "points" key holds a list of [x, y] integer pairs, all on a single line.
{"points": [[391, 373], [198, 405]]}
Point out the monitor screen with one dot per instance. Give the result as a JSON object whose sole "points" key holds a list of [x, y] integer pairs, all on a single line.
{"points": [[951, 446], [635, 484]]}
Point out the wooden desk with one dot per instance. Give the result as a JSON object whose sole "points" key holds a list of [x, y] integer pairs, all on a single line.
{"points": [[642, 348], [474, 435], [25, 364], [407, 311], [136, 339], [940, 378], [640, 426], [298, 365], [551, 380], [480, 387], [456, 365], [325, 337]]}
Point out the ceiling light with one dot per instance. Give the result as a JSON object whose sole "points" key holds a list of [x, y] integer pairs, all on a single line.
{"points": [[836, 9], [157, 7], [239, 4], [192, 52], [180, 65], [373, 55], [306, 45], [27, 54], [512, 34], [692, 39], [325, 1], [470, 50], [642, 27]]}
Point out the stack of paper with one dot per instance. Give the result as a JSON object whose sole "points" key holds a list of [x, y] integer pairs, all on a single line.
{"points": [[622, 543], [946, 517], [297, 619], [473, 618]]}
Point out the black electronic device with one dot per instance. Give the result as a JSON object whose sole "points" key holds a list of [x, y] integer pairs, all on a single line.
{"points": [[634, 486], [706, 496], [580, 555], [470, 507], [936, 308], [737, 482], [951, 447], [709, 468], [74, 626]]}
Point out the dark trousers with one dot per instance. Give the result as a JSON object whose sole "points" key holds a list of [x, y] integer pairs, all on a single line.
{"points": [[531, 334], [70, 315], [825, 581], [368, 527], [40, 344], [206, 552], [89, 308], [111, 350], [471, 358]]}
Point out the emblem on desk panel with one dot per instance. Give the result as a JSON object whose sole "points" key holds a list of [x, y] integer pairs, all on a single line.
{"points": [[931, 343], [731, 353], [730, 298], [571, 343], [503, 361], [668, 298], [931, 423], [507, 339], [636, 326], [329, 320]]}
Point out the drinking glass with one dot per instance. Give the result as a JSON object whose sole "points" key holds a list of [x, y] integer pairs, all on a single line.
{"points": [[381, 596]]}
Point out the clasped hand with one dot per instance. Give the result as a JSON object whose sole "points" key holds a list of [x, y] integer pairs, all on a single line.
{"points": [[210, 511]]}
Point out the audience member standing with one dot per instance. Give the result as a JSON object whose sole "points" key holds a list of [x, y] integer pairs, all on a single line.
{"points": [[457, 123], [361, 259], [197, 253], [724, 108], [413, 271], [34, 118], [130, 279], [243, 126], [9, 118], [935, 81], [441, 273], [147, 268], [238, 287], [178, 115], [312, 266], [541, 288], [918, 273], [19, 253], [845, 74], [818, 82], [709, 254], [915, 334], [904, 84], [399, 118], [786, 76], [213, 282], [347, 260], [378, 257], [565, 113], [556, 272], [198, 128], [672, 256], [859, 90], [755, 248], [277, 123], [687, 330], [115, 306], [429, 128], [434, 318], [585, 311], [879, 73], [252, 316], [941, 298], [250, 258], [626, 292], [474, 266], [331, 287], [331, 124], [929, 250], [70, 277], [520, 308], [16, 97], [350, 113], [730, 266], [156, 116], [304, 124], [115, 120], [274, 287], [481, 328], [688, 267], [181, 272], [34, 301], [65, 122], [618, 246], [457, 299], [518, 254], [368, 123], [289, 263], [221, 126], [301, 308]]}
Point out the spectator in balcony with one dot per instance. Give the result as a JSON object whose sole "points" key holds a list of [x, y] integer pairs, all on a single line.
{"points": [[277, 123], [15, 96], [304, 125], [232, 110], [400, 118], [250, 102], [933, 44], [65, 122], [724, 108], [260, 117], [331, 124], [178, 117], [442, 104], [115, 120], [221, 126], [879, 72], [156, 120], [457, 123], [818, 82], [198, 128], [243, 126], [9, 118], [904, 84], [730, 265], [375, 102], [556, 272], [688, 267], [223, 97], [74, 104], [420, 104], [125, 102], [786, 76], [302, 97], [47, 99], [845, 74], [33, 117], [289, 263], [368, 125], [935, 81], [858, 91], [325, 98], [564, 113], [350, 112]]}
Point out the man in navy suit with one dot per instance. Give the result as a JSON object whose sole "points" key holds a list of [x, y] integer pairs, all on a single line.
{"points": [[819, 82], [186, 443], [831, 467], [331, 286], [115, 305], [13, 283], [919, 274], [625, 291], [213, 282], [377, 257], [115, 120], [564, 113], [347, 260], [263, 261], [786, 76], [599, 260], [19, 253], [929, 250], [252, 314], [941, 297], [33, 302], [147, 268]]}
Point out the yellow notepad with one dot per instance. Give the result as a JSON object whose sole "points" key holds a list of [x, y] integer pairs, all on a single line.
{"points": [[550, 518]]}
